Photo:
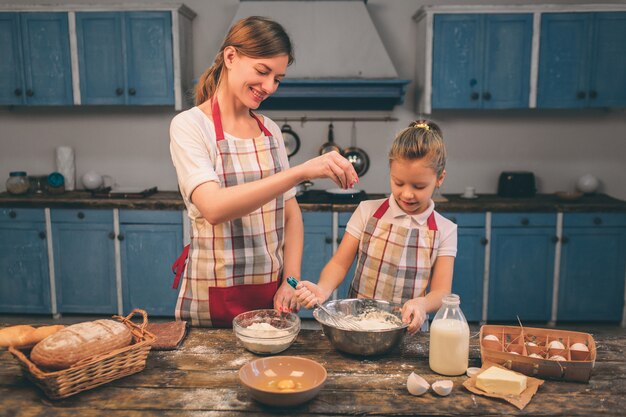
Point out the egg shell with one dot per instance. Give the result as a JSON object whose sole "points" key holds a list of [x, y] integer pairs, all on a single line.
{"points": [[579, 347], [472, 372], [535, 355], [555, 344], [491, 337], [557, 358], [416, 384], [443, 388]]}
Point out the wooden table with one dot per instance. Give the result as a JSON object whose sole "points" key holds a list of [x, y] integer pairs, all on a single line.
{"points": [[200, 379]]}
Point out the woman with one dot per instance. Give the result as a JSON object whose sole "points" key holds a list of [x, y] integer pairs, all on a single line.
{"points": [[247, 232]]}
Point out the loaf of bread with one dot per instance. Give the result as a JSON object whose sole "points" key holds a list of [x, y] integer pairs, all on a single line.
{"points": [[15, 335], [80, 341]]}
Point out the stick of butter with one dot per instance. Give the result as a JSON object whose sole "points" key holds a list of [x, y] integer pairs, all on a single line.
{"points": [[500, 381]]}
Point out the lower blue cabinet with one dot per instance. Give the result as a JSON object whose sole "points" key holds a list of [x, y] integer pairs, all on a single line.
{"points": [[344, 288], [24, 278], [150, 242], [318, 247], [593, 259], [469, 264], [84, 260], [521, 267]]}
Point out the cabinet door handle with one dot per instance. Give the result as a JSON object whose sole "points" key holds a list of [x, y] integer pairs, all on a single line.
{"points": [[581, 95], [12, 214], [328, 239], [473, 82], [111, 235], [525, 221], [555, 239], [120, 237], [564, 239], [593, 94], [42, 235], [18, 91], [132, 91], [487, 95], [474, 96], [484, 241], [597, 220], [119, 91], [80, 215], [30, 93]]}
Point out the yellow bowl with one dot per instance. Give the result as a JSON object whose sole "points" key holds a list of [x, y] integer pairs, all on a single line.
{"points": [[282, 380]]}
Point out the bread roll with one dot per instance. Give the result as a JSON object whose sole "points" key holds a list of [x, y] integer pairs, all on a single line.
{"points": [[41, 333], [80, 341], [15, 335]]}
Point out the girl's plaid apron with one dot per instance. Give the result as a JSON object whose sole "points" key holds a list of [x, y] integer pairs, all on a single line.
{"points": [[394, 262], [234, 266]]}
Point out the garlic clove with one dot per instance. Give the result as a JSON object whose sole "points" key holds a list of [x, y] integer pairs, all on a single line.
{"points": [[416, 384], [472, 372], [579, 347], [557, 358], [555, 344], [443, 388]]}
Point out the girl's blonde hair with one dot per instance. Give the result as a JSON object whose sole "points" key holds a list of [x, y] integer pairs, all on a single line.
{"points": [[254, 37], [422, 139]]}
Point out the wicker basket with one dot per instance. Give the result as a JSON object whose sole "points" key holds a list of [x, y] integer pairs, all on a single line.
{"points": [[524, 341], [94, 371]]}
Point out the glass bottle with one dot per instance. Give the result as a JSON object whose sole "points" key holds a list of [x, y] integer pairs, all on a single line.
{"points": [[449, 339], [17, 183]]}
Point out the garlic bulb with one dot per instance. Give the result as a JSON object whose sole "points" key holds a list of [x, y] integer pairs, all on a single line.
{"points": [[443, 388], [416, 384]]}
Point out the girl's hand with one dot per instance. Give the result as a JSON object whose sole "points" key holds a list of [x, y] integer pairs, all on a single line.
{"points": [[414, 313], [331, 165], [285, 299], [309, 294]]}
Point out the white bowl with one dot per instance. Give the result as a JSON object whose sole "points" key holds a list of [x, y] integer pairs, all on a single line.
{"points": [[253, 330]]}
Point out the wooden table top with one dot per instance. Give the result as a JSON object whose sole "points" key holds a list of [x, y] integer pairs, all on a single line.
{"points": [[200, 379]]}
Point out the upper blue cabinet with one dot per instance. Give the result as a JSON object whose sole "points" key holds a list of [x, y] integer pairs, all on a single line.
{"points": [[481, 61], [582, 60], [125, 57], [35, 68]]}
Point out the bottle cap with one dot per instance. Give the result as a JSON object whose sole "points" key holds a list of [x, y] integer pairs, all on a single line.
{"points": [[17, 174]]}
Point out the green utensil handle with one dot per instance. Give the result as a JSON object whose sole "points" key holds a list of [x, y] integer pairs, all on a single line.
{"points": [[292, 281]]}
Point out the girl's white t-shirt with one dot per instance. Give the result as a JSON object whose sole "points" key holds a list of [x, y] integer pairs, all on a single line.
{"points": [[395, 215], [193, 148]]}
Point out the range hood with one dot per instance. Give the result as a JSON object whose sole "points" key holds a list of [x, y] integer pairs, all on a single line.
{"points": [[341, 63]]}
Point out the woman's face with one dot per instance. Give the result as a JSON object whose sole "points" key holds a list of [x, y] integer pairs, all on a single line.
{"points": [[413, 183], [252, 80]]}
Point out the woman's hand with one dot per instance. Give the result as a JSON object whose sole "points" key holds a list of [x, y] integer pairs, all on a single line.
{"points": [[331, 165], [309, 294], [414, 314], [285, 299]]}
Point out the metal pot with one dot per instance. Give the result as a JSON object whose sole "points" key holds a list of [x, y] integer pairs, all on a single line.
{"points": [[303, 187], [357, 156], [292, 140], [330, 145]]}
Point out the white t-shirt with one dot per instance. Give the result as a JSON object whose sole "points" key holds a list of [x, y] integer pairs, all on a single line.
{"points": [[193, 148], [395, 215]]}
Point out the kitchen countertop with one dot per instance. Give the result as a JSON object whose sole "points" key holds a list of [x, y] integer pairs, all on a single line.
{"points": [[319, 200], [201, 379]]}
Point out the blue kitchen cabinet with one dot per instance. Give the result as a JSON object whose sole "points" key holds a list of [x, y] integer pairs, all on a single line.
{"points": [[582, 60], [481, 61], [344, 287], [593, 261], [521, 266], [125, 57], [84, 260], [24, 278], [318, 247], [469, 264], [35, 68], [150, 242]]}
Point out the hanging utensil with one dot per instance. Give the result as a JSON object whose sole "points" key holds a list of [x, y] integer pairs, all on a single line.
{"points": [[357, 156], [330, 145], [292, 140]]}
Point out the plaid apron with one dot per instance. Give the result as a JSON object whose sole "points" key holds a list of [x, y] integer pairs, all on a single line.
{"points": [[234, 266], [394, 262]]}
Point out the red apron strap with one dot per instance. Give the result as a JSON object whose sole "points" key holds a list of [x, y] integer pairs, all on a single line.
{"points": [[382, 209], [217, 120], [432, 224], [179, 266], [261, 125]]}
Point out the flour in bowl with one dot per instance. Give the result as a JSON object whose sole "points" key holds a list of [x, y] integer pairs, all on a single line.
{"points": [[376, 320], [265, 338]]}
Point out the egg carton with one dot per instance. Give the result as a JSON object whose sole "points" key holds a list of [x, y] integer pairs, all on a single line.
{"points": [[544, 353]]}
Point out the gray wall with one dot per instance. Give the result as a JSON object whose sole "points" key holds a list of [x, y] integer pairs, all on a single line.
{"points": [[131, 144]]}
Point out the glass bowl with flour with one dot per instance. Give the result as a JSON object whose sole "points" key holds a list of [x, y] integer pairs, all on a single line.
{"points": [[266, 332]]}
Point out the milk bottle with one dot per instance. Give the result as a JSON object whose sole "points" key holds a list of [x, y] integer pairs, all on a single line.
{"points": [[449, 339]]}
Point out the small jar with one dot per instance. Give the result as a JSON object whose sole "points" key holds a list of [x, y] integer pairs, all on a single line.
{"points": [[17, 183], [56, 183]]}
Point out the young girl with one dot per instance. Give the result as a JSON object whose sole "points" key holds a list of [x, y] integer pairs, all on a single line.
{"points": [[233, 174], [403, 244]]}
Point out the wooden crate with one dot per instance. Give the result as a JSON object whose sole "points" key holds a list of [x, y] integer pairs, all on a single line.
{"points": [[524, 341]]}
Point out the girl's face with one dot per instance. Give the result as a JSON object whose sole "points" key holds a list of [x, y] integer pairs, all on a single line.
{"points": [[252, 80], [413, 183]]}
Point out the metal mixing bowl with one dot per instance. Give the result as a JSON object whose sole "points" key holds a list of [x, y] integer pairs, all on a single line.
{"points": [[360, 342]]}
